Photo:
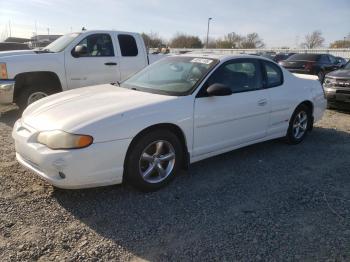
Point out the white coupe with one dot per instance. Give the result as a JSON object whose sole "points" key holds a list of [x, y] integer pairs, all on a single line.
{"points": [[177, 111]]}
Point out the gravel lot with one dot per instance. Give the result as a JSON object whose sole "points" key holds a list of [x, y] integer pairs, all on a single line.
{"points": [[270, 201]]}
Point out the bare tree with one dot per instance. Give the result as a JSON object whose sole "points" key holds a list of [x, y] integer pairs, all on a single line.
{"points": [[186, 41], [152, 40], [252, 40], [313, 40], [233, 40]]}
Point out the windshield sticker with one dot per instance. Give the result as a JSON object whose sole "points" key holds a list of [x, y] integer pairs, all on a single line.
{"points": [[202, 61]]}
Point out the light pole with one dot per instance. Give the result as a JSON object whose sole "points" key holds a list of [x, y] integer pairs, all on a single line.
{"points": [[210, 18]]}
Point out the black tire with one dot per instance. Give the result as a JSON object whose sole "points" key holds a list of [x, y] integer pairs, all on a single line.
{"points": [[26, 91], [133, 165], [291, 137]]}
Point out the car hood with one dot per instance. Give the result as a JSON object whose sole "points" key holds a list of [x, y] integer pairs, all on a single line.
{"points": [[73, 110], [342, 73], [16, 52]]}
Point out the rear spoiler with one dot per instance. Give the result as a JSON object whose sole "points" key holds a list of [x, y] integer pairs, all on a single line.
{"points": [[310, 77]]}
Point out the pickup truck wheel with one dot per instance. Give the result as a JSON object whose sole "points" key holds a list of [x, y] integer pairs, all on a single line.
{"points": [[30, 94], [153, 160]]}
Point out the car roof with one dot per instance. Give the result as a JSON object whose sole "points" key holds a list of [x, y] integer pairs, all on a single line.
{"points": [[223, 57]]}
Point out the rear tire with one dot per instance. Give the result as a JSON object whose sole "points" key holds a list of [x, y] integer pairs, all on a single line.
{"points": [[146, 167], [299, 125]]}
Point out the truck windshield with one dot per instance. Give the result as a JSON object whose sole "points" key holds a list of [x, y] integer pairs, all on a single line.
{"points": [[172, 75], [61, 43]]}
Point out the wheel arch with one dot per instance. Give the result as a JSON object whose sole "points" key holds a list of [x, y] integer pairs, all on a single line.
{"points": [[169, 126], [49, 78]]}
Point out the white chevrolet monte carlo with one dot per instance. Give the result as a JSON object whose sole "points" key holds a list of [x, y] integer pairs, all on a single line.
{"points": [[177, 111]]}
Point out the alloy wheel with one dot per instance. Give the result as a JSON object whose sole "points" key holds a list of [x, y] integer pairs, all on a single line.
{"points": [[300, 124], [35, 97], [157, 161]]}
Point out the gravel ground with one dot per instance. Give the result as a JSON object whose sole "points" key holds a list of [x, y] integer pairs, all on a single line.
{"points": [[270, 201]]}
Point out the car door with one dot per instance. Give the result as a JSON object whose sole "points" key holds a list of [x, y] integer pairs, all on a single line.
{"points": [[223, 122], [98, 66], [281, 100]]}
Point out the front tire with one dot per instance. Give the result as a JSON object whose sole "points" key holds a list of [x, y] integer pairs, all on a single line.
{"points": [[299, 125], [30, 94], [153, 161]]}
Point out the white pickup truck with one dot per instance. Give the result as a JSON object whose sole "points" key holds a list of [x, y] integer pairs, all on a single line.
{"points": [[74, 60]]}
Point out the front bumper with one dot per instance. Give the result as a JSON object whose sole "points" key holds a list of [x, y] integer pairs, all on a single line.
{"points": [[337, 94], [7, 89], [99, 164]]}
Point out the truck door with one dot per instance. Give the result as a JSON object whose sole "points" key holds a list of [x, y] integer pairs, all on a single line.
{"points": [[99, 65], [133, 55]]}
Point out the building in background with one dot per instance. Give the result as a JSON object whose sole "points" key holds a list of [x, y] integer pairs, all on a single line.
{"points": [[42, 40]]}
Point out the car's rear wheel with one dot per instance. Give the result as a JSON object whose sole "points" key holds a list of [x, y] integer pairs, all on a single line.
{"points": [[299, 124], [153, 160]]}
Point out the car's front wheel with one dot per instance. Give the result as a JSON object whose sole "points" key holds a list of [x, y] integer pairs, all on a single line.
{"points": [[299, 124], [153, 160]]}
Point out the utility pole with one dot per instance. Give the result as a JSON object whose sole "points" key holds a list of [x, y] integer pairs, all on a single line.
{"points": [[48, 31], [209, 19], [10, 27]]}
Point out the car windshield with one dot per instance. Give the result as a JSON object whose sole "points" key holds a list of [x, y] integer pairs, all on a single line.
{"points": [[308, 57], [174, 75], [61, 43]]}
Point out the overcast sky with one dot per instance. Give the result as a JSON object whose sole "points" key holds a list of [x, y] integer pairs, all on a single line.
{"points": [[278, 22]]}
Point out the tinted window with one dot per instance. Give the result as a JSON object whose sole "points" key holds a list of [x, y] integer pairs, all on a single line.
{"points": [[274, 74], [332, 59], [240, 76], [128, 45], [324, 59], [308, 57], [98, 45]]}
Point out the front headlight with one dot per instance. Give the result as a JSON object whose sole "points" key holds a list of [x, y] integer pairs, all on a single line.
{"points": [[58, 139], [328, 82], [3, 71]]}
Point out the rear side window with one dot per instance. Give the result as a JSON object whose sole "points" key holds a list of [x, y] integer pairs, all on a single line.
{"points": [[274, 75], [128, 45], [324, 59], [240, 75], [305, 57]]}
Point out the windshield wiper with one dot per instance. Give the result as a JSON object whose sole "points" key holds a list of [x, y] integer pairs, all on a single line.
{"points": [[116, 83]]}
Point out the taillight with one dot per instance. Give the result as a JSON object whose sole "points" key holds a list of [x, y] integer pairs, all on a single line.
{"points": [[309, 65]]}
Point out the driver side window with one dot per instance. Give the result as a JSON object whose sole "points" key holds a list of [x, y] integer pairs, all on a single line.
{"points": [[98, 45], [239, 75]]}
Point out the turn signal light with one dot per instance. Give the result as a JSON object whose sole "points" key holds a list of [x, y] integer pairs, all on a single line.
{"points": [[3, 71]]}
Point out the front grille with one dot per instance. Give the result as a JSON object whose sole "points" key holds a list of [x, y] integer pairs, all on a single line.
{"points": [[343, 92], [342, 83]]}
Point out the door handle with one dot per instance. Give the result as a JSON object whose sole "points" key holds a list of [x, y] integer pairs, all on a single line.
{"points": [[262, 102], [110, 64]]}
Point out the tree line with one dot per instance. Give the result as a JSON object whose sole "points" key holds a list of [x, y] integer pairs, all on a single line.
{"points": [[235, 41]]}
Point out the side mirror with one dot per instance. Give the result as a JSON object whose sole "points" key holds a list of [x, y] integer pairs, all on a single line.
{"points": [[219, 90], [79, 50]]}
